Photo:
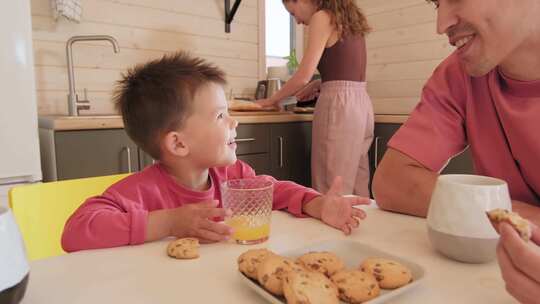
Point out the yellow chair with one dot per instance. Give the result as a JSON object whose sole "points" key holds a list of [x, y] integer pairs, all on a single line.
{"points": [[41, 210]]}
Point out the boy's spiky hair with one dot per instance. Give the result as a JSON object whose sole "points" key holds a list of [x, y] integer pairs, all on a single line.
{"points": [[155, 98]]}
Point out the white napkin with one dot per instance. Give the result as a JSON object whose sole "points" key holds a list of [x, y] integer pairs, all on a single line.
{"points": [[70, 9]]}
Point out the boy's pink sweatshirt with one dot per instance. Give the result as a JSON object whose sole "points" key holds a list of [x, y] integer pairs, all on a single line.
{"points": [[119, 216]]}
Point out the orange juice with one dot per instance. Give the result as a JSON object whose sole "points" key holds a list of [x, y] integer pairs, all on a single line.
{"points": [[244, 233]]}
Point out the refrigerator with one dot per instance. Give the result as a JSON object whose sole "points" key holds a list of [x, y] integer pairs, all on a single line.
{"points": [[19, 141]]}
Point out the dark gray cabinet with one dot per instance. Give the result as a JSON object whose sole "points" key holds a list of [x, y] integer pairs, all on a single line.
{"points": [[253, 146], [87, 153], [282, 150], [460, 164], [290, 152], [259, 162]]}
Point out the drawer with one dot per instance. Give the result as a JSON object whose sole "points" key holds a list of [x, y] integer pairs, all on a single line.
{"points": [[252, 138]]}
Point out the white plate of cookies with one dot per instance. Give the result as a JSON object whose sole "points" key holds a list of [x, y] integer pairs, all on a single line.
{"points": [[339, 271]]}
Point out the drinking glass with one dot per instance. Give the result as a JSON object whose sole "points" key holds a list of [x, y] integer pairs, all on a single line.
{"points": [[250, 202]]}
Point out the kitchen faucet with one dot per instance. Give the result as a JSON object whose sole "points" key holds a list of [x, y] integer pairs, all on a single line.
{"points": [[74, 104]]}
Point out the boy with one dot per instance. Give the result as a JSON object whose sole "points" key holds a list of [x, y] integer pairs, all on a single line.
{"points": [[175, 109]]}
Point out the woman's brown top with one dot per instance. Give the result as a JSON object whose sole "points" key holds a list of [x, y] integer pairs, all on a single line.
{"points": [[345, 60]]}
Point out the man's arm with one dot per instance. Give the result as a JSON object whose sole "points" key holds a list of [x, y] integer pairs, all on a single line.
{"points": [[401, 184]]}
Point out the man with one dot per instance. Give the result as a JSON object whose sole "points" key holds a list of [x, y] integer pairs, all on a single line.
{"points": [[485, 95]]}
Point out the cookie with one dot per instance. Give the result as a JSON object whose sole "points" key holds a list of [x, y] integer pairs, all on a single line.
{"points": [[520, 224], [388, 273], [273, 269], [355, 286], [309, 287], [326, 263], [295, 265], [186, 248], [249, 261]]}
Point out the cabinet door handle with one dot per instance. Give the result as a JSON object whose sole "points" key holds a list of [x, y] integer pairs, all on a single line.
{"points": [[376, 152], [128, 150], [240, 140], [280, 151]]}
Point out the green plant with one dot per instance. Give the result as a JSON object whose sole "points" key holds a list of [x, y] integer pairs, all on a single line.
{"points": [[292, 61]]}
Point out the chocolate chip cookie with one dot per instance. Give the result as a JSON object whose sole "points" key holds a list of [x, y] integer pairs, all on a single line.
{"points": [[309, 287], [249, 261], [355, 286], [326, 263], [388, 273], [185, 248]]}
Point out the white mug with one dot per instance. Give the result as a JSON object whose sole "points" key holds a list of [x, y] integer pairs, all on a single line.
{"points": [[14, 266], [458, 226]]}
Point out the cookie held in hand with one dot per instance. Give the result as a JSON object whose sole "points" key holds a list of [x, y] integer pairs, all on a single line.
{"points": [[520, 224], [185, 248]]}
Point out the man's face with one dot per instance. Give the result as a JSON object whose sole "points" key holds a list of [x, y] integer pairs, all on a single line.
{"points": [[486, 33]]}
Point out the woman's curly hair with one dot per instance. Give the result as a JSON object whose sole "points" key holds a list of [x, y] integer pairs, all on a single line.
{"points": [[347, 17]]}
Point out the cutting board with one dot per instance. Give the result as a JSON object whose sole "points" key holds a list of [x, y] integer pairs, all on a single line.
{"points": [[251, 113]]}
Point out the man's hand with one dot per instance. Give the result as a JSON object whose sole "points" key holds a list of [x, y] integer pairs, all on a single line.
{"points": [[336, 210], [191, 220], [530, 212], [520, 263]]}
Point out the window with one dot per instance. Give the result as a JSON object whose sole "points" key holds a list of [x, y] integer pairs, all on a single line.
{"points": [[279, 33]]}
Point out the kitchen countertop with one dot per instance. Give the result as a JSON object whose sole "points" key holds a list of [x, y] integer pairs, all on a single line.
{"points": [[144, 273], [66, 123]]}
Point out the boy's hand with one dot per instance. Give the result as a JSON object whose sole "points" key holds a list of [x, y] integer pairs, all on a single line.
{"points": [[336, 210], [192, 220], [195, 220]]}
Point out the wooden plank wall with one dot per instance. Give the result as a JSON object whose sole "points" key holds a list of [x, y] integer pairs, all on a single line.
{"points": [[145, 29], [403, 51]]}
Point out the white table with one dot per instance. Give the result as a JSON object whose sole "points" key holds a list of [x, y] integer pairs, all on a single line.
{"points": [[144, 274]]}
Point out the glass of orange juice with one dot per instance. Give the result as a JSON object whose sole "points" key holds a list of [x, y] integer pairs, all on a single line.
{"points": [[250, 202]]}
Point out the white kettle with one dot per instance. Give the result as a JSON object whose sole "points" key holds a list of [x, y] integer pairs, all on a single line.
{"points": [[14, 268]]}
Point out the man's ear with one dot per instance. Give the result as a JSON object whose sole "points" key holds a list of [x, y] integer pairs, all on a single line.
{"points": [[174, 143]]}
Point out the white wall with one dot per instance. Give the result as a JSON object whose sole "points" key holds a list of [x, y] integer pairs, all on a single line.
{"points": [[145, 29], [403, 50]]}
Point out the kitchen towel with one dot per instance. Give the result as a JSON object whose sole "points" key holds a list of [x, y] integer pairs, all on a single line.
{"points": [[70, 9]]}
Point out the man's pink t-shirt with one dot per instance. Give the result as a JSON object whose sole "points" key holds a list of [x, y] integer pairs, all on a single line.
{"points": [[498, 117], [119, 216]]}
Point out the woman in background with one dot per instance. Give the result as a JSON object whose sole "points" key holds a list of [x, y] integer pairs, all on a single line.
{"points": [[343, 121]]}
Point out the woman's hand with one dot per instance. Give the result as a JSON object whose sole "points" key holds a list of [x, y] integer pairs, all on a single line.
{"points": [[266, 103], [309, 92]]}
